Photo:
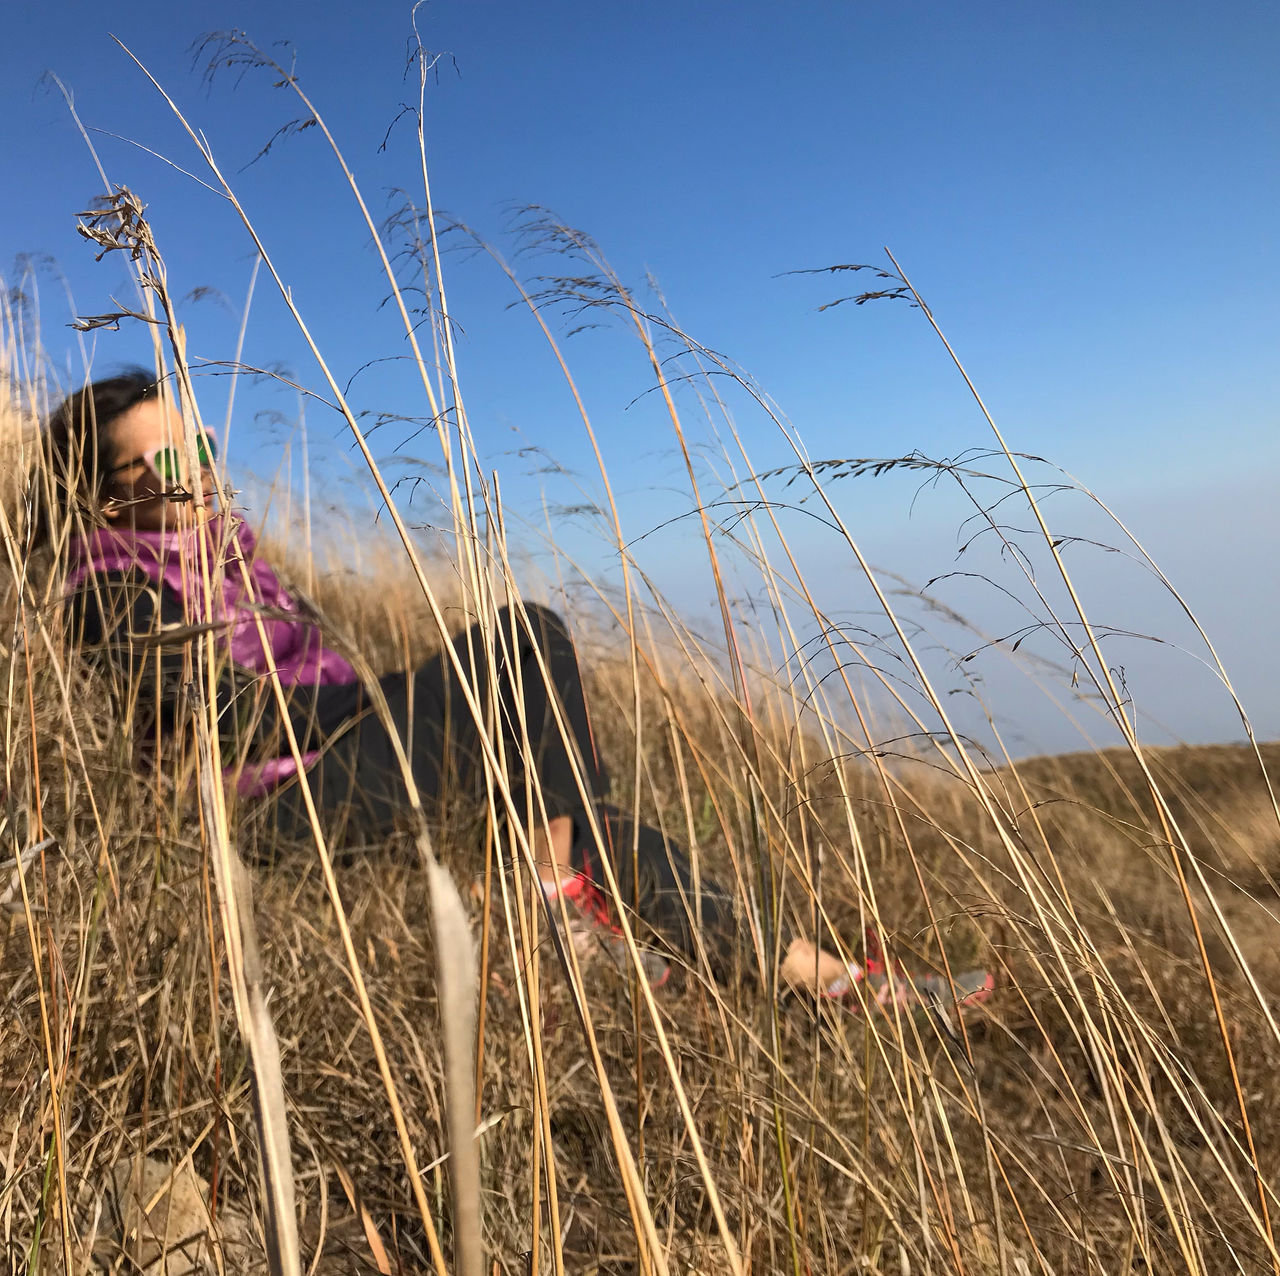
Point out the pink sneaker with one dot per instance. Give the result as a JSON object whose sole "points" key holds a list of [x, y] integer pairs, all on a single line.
{"points": [[889, 984], [592, 926]]}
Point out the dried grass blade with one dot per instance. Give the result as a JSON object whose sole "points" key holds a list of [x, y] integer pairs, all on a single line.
{"points": [[244, 963], [459, 985], [376, 1247]]}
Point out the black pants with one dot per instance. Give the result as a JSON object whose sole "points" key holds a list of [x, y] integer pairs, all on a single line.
{"points": [[359, 788]]}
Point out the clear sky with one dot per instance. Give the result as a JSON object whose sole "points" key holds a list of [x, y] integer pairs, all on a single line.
{"points": [[1085, 194]]}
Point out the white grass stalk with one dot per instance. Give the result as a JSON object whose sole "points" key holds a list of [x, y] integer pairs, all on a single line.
{"points": [[459, 987], [244, 965]]}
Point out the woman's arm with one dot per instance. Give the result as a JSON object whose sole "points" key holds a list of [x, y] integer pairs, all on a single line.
{"points": [[139, 635]]}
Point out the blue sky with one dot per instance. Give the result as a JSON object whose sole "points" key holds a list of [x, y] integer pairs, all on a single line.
{"points": [[1084, 193]]}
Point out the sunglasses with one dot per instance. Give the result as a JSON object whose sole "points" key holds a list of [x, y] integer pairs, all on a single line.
{"points": [[169, 463]]}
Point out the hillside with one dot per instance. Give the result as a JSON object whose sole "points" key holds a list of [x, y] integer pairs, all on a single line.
{"points": [[1086, 1118]]}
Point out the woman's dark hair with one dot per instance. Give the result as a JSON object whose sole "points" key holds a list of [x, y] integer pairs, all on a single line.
{"points": [[76, 453]]}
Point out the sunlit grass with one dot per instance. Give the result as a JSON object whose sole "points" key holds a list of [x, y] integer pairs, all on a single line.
{"points": [[1111, 1111]]}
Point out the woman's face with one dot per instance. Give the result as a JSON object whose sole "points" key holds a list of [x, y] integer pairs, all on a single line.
{"points": [[134, 493]]}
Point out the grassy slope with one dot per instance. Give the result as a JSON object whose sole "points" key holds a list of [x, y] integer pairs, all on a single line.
{"points": [[887, 1137], [1089, 1123]]}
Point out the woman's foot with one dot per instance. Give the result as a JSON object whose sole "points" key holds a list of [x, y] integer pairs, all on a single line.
{"points": [[808, 968]]}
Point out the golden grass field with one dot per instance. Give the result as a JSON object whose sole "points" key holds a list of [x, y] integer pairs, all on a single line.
{"points": [[1113, 1109], [1086, 1122]]}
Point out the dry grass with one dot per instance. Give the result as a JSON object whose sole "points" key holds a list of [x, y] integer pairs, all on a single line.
{"points": [[1113, 1111], [889, 1137]]}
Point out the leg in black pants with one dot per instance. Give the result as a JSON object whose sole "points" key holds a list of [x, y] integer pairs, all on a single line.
{"points": [[358, 786], [358, 777]]}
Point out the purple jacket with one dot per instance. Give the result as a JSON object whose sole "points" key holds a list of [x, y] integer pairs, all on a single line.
{"points": [[242, 594]]}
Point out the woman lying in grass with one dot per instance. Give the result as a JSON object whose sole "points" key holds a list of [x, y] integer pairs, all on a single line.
{"points": [[116, 454]]}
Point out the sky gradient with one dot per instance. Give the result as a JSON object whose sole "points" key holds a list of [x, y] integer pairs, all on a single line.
{"points": [[1085, 195]]}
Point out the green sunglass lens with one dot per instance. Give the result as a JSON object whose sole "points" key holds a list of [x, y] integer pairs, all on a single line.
{"points": [[169, 464]]}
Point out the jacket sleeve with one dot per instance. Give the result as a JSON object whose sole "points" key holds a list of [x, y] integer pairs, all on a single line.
{"points": [[141, 639]]}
